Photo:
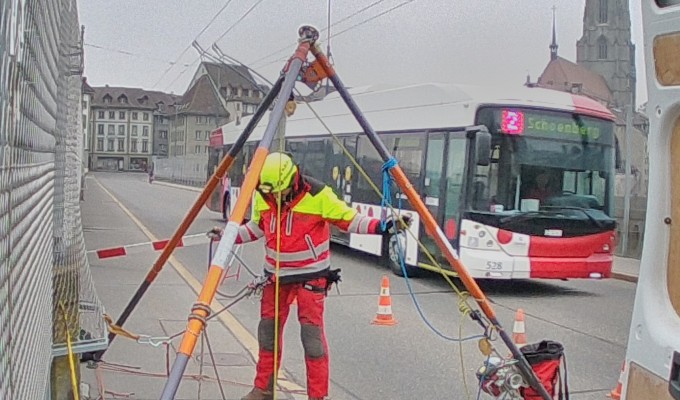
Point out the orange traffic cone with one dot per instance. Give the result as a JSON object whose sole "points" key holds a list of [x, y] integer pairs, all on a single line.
{"points": [[384, 315], [616, 393], [519, 335]]}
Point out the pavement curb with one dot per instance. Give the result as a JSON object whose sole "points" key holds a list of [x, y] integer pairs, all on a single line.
{"points": [[177, 186], [624, 277]]}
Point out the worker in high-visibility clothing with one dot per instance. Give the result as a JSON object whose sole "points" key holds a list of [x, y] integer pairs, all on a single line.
{"points": [[308, 207]]}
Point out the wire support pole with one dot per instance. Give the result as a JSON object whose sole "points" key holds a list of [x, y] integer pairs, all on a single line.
{"points": [[431, 226], [195, 209], [200, 310]]}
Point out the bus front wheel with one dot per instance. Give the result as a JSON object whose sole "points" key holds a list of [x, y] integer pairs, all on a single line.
{"points": [[394, 255]]}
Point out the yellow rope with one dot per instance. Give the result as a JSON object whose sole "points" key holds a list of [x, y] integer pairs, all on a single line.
{"points": [[279, 200], [71, 362]]}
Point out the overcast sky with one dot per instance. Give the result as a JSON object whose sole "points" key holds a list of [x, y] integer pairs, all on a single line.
{"points": [[465, 41]]}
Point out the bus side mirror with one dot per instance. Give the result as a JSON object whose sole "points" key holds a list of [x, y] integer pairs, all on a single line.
{"points": [[483, 147]]}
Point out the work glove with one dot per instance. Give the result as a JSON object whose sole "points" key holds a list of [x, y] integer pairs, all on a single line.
{"points": [[390, 225]]}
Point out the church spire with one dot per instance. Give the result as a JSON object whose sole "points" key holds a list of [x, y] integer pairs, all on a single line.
{"points": [[553, 45]]}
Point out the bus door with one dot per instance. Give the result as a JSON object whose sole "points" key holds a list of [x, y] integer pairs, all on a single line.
{"points": [[443, 183], [433, 190]]}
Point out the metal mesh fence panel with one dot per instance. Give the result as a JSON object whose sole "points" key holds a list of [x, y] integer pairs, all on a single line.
{"points": [[190, 170], [45, 282]]}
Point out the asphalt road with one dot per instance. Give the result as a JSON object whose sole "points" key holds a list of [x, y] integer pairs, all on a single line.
{"points": [[409, 361]]}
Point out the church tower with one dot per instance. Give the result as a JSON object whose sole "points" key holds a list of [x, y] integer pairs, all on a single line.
{"points": [[606, 47]]}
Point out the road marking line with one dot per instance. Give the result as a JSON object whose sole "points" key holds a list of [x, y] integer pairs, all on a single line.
{"points": [[230, 322]]}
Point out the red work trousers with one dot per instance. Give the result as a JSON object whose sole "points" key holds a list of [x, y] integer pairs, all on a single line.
{"points": [[310, 305]]}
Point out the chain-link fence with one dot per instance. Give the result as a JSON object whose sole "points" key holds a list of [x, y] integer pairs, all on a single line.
{"points": [[190, 170], [46, 289]]}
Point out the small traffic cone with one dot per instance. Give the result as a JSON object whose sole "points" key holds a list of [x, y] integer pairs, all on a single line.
{"points": [[384, 315], [616, 393], [519, 335]]}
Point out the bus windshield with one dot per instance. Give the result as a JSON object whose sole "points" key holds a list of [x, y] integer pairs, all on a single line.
{"points": [[545, 163]]}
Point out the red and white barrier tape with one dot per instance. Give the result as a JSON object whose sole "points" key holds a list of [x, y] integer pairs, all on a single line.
{"points": [[120, 251]]}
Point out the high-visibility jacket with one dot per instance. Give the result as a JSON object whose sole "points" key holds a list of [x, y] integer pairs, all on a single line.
{"points": [[305, 220]]}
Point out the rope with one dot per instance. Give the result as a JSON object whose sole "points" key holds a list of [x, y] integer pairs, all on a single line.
{"points": [[277, 283], [387, 191], [71, 362], [462, 304]]}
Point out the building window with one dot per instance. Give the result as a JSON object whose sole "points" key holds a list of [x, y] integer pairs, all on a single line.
{"points": [[164, 148], [107, 99], [112, 130], [122, 99], [135, 115], [145, 131], [145, 146], [246, 93], [198, 135], [602, 48], [163, 134], [112, 115], [197, 149], [121, 115], [602, 14], [206, 149], [145, 116], [207, 135], [101, 114], [109, 145], [134, 130], [121, 145], [100, 129], [100, 144], [121, 130], [133, 145]]}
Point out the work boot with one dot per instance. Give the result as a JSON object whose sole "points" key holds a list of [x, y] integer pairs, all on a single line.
{"points": [[258, 394]]}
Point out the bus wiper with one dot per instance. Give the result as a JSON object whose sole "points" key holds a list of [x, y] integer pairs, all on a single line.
{"points": [[592, 219], [521, 216]]}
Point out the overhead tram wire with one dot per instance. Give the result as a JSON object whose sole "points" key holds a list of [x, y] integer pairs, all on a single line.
{"points": [[383, 13], [224, 7], [238, 21], [129, 53], [375, 3]]}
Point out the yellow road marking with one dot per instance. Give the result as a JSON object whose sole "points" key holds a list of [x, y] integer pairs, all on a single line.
{"points": [[230, 322]]}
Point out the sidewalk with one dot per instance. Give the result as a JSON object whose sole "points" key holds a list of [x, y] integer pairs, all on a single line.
{"points": [[139, 371], [626, 269]]}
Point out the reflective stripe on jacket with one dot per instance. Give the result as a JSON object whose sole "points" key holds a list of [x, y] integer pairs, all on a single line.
{"points": [[305, 228]]}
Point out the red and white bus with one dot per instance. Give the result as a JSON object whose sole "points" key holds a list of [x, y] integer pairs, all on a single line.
{"points": [[538, 207]]}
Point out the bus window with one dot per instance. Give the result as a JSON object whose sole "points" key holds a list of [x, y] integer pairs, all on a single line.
{"points": [[297, 149], [316, 157], [370, 161], [340, 171]]}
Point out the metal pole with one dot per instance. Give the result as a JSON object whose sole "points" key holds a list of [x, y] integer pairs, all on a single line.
{"points": [[431, 226], [200, 310], [189, 218], [625, 230]]}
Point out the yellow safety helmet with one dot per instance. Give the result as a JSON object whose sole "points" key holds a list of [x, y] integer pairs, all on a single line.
{"points": [[277, 173]]}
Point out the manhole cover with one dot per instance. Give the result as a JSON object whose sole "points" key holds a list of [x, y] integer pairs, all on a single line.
{"points": [[226, 359]]}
